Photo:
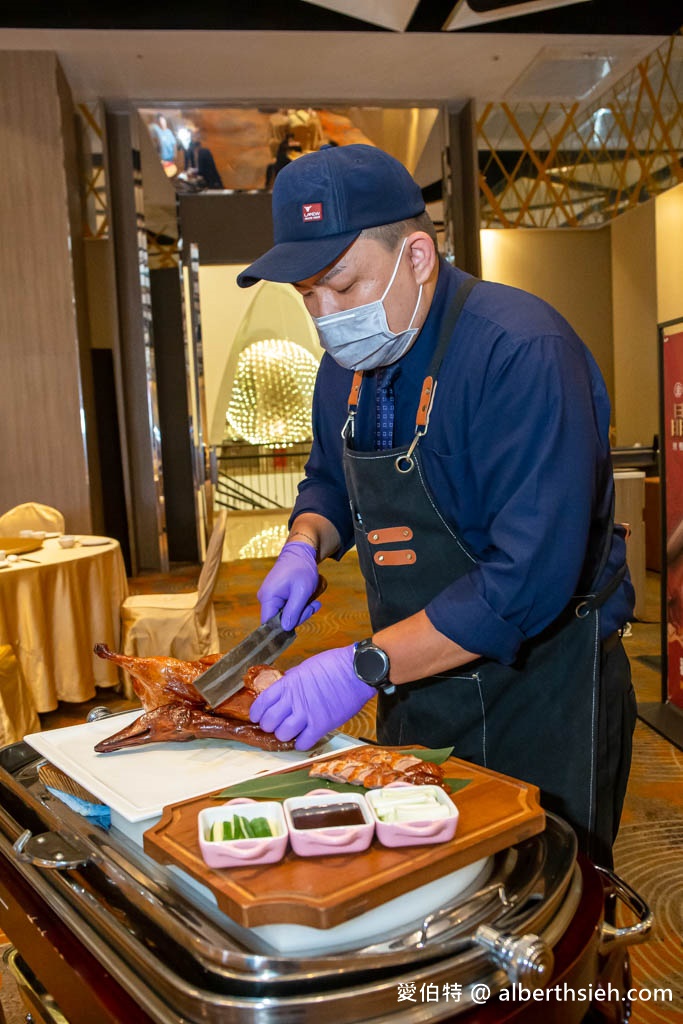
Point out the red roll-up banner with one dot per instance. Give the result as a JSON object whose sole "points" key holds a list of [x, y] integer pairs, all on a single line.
{"points": [[672, 454]]}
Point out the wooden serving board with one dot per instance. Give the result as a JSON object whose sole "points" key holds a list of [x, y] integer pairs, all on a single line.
{"points": [[496, 811]]}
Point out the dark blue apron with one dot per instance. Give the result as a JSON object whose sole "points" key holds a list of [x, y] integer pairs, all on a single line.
{"points": [[536, 720]]}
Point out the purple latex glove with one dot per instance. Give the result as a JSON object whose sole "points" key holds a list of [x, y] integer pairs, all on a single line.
{"points": [[289, 585], [318, 695]]}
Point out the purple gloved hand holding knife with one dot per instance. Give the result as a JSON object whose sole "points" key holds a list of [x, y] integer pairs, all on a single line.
{"points": [[321, 693], [290, 585], [314, 697]]}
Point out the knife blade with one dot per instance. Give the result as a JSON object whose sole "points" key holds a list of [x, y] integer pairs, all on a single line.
{"points": [[261, 647]]}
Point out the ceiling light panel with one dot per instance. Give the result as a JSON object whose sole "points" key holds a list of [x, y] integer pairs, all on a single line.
{"points": [[529, 124], [557, 75]]}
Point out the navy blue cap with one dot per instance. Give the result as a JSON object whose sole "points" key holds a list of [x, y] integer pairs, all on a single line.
{"points": [[321, 203]]}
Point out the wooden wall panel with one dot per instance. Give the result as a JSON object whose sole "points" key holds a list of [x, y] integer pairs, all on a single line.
{"points": [[635, 272], [570, 269], [41, 422]]}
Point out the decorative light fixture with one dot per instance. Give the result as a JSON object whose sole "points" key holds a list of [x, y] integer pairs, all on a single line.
{"points": [[272, 393], [266, 544]]}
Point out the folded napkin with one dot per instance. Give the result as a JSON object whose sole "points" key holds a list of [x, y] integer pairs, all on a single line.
{"points": [[98, 813], [74, 795]]}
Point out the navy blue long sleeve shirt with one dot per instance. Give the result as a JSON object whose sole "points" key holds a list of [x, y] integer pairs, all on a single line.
{"points": [[516, 457]]}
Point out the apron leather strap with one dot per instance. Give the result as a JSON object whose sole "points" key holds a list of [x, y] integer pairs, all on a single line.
{"points": [[448, 326], [354, 393], [429, 383], [354, 397], [445, 335], [593, 601]]}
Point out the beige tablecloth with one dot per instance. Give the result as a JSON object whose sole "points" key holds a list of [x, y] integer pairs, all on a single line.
{"points": [[55, 605]]}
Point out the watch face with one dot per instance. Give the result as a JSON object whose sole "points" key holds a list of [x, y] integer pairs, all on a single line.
{"points": [[372, 665]]}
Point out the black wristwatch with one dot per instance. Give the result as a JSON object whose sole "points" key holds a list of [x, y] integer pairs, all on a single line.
{"points": [[371, 664]]}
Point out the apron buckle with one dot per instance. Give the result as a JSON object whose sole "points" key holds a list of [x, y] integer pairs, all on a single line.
{"points": [[345, 432], [354, 395], [405, 463]]}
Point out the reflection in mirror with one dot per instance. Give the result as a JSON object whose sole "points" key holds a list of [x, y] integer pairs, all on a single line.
{"points": [[262, 355], [197, 396], [259, 349], [243, 148]]}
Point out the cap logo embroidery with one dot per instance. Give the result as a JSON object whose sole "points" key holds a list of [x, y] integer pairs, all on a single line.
{"points": [[312, 211]]}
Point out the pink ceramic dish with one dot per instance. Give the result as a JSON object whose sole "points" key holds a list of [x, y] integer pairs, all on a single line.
{"points": [[236, 853], [418, 831], [324, 841]]}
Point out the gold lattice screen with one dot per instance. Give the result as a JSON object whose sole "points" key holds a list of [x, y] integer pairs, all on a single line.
{"points": [[571, 165], [94, 186]]}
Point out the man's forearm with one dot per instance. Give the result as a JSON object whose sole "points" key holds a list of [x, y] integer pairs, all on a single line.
{"points": [[417, 650], [314, 529]]}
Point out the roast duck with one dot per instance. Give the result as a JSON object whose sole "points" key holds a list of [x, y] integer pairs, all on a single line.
{"points": [[175, 711]]}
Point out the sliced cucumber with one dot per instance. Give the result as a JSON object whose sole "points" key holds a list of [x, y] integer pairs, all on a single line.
{"points": [[260, 828], [240, 827]]}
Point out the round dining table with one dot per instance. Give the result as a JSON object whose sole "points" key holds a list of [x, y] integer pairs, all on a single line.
{"points": [[56, 603]]}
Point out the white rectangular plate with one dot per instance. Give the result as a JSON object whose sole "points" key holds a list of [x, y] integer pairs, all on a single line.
{"points": [[140, 781]]}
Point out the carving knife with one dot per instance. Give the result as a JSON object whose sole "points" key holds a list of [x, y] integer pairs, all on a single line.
{"points": [[261, 647]]}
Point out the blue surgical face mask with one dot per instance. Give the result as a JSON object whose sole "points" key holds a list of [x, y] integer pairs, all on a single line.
{"points": [[360, 338]]}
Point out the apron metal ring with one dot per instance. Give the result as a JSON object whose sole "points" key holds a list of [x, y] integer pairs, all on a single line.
{"points": [[407, 460], [404, 464], [582, 610]]}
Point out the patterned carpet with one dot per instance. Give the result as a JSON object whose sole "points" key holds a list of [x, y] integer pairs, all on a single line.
{"points": [[649, 849]]}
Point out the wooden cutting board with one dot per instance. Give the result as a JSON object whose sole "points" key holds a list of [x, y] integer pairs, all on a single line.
{"points": [[496, 811]]}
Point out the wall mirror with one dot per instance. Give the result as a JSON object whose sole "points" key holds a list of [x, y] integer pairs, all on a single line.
{"points": [[250, 356]]}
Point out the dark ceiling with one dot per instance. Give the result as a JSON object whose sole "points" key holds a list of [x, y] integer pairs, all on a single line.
{"points": [[610, 17]]}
